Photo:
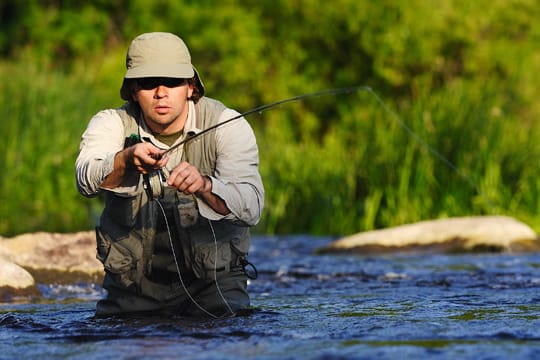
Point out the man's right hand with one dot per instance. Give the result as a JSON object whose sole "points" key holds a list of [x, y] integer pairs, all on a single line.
{"points": [[143, 157]]}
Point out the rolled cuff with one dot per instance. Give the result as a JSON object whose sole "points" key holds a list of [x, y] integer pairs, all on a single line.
{"points": [[242, 201], [91, 174]]}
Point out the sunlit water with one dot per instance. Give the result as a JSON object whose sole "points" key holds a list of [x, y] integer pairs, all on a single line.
{"points": [[311, 307]]}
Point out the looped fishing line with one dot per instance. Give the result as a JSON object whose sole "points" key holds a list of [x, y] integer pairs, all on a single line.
{"points": [[184, 287], [218, 288]]}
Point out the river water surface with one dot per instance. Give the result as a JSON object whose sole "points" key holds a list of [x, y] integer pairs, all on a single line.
{"points": [[307, 306]]}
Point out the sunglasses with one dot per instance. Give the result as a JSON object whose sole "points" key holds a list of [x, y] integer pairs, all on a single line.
{"points": [[154, 82]]}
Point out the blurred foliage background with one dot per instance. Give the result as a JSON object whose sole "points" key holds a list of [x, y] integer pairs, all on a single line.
{"points": [[449, 127]]}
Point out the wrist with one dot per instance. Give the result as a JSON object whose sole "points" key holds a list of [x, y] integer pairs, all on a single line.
{"points": [[207, 185], [126, 158]]}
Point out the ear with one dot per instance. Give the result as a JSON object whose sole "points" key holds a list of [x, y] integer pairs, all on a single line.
{"points": [[190, 90]]}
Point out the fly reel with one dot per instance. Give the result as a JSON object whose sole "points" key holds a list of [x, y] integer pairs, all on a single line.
{"points": [[155, 183]]}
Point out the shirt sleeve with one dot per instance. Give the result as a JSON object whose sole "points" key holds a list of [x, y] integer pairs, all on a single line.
{"points": [[102, 139], [236, 179]]}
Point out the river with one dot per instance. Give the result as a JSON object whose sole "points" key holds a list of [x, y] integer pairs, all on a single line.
{"points": [[307, 306]]}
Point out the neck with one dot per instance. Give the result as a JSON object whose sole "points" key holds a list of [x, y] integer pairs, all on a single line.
{"points": [[166, 130]]}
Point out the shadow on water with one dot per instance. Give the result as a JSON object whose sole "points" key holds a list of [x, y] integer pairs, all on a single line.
{"points": [[312, 307]]}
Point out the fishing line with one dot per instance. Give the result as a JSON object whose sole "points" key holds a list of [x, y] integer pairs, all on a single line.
{"points": [[430, 148], [184, 287], [215, 268]]}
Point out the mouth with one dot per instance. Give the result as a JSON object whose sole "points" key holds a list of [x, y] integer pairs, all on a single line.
{"points": [[162, 109]]}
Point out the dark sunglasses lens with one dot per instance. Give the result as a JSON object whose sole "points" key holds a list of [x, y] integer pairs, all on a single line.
{"points": [[152, 83]]}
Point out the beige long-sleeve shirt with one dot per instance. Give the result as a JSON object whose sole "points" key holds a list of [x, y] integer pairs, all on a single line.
{"points": [[236, 178]]}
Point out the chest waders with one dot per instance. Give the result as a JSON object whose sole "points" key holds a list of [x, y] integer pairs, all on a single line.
{"points": [[143, 242]]}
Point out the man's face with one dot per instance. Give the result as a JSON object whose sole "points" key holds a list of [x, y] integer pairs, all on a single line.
{"points": [[164, 103]]}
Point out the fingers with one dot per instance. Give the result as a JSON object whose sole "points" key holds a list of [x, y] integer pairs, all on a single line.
{"points": [[146, 158], [186, 178]]}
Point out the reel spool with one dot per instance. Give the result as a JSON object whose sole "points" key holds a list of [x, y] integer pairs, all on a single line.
{"points": [[155, 183]]}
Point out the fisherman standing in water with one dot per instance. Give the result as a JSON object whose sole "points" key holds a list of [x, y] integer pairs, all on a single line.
{"points": [[174, 234]]}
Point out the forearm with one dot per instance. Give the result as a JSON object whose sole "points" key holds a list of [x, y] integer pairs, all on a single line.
{"points": [[100, 142], [215, 202], [236, 180], [90, 172], [122, 166], [244, 199]]}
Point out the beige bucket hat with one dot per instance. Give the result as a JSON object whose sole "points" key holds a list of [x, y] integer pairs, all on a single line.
{"points": [[158, 54]]}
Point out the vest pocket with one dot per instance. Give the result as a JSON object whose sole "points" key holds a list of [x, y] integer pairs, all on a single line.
{"points": [[116, 258], [210, 263], [122, 210]]}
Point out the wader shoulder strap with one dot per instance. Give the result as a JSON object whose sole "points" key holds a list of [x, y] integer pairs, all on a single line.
{"points": [[202, 151], [208, 112], [129, 113]]}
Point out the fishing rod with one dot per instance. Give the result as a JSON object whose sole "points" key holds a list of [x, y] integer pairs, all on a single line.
{"points": [[260, 109], [155, 182], [158, 181]]}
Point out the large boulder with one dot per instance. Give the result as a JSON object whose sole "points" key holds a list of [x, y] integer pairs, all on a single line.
{"points": [[452, 235], [15, 281], [54, 257]]}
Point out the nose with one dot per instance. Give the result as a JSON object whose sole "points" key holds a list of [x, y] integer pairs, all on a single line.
{"points": [[160, 92]]}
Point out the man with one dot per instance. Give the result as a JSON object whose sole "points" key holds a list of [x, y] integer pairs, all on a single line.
{"points": [[174, 234]]}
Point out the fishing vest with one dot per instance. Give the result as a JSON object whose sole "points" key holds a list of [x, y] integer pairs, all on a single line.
{"points": [[134, 229]]}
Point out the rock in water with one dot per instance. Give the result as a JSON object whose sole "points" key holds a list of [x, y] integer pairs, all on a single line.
{"points": [[54, 257], [15, 281], [460, 234]]}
